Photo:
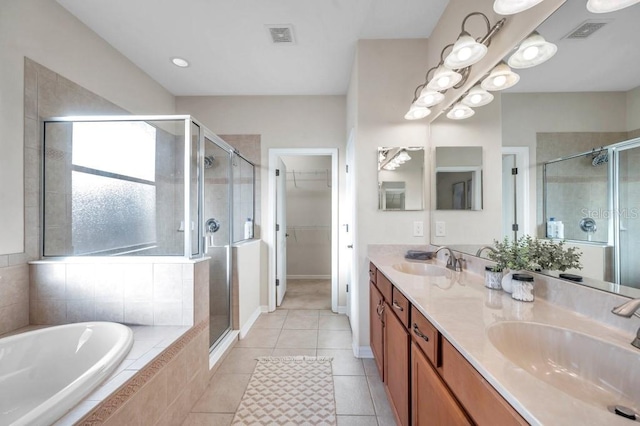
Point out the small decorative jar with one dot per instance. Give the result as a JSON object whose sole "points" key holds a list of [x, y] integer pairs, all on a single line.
{"points": [[522, 287], [493, 278]]}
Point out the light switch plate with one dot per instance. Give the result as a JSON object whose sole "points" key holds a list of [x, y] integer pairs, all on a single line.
{"points": [[418, 229], [440, 229]]}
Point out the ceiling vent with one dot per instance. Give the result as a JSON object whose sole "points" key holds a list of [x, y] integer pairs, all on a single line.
{"points": [[586, 29], [281, 34]]}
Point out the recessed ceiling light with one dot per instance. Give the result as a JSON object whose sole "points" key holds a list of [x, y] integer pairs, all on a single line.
{"points": [[179, 62]]}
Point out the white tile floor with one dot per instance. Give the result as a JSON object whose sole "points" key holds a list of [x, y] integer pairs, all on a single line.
{"points": [[360, 396]]}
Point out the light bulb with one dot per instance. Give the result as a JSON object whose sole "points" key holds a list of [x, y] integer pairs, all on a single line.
{"points": [[530, 52], [459, 113], [444, 81], [464, 53], [499, 81], [475, 99]]}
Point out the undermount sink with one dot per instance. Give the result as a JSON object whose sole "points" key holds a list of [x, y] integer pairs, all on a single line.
{"points": [[589, 369], [424, 269]]}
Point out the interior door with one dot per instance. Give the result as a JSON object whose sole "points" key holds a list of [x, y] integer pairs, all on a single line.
{"points": [[281, 232], [349, 227]]}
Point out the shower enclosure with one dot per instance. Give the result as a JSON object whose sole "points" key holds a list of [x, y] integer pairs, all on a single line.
{"points": [[144, 186], [596, 194]]}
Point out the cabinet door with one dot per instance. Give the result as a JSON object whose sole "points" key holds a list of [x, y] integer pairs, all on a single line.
{"points": [[376, 326], [431, 401], [396, 366]]}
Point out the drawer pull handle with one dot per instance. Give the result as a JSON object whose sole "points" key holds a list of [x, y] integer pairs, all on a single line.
{"points": [[419, 333], [397, 306]]}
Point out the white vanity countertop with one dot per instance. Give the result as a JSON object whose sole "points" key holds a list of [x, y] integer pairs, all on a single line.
{"points": [[463, 310]]}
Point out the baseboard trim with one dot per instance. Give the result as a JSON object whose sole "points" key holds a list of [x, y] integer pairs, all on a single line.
{"points": [[264, 309], [252, 319], [342, 309], [230, 339], [363, 352], [308, 277]]}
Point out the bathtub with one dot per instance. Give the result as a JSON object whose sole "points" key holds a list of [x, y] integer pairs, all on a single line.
{"points": [[46, 372]]}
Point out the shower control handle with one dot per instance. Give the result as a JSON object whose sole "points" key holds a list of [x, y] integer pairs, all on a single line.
{"points": [[212, 225]]}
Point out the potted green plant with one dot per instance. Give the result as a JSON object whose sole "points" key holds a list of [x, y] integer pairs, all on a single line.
{"points": [[554, 256], [513, 256]]}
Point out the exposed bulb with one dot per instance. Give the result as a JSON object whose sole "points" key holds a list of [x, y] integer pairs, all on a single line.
{"points": [[530, 52], [444, 81], [475, 99], [499, 81], [464, 53]]}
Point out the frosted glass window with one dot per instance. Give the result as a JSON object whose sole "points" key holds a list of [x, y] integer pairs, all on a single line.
{"points": [[111, 214], [125, 148]]}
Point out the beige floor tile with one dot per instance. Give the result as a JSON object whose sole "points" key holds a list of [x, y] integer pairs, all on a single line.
{"points": [[370, 368], [307, 294], [344, 363], [299, 322], [387, 421], [323, 312], [278, 311], [223, 394], [293, 352], [379, 396], [357, 421], [335, 322], [242, 360], [303, 312], [269, 321], [298, 339], [352, 396], [208, 419], [259, 338], [334, 339]]}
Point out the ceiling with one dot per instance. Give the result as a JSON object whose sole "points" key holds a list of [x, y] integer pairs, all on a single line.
{"points": [[608, 60], [229, 48], [231, 53]]}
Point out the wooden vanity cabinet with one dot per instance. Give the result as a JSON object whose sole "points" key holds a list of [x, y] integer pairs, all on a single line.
{"points": [[432, 403], [396, 366], [427, 380]]}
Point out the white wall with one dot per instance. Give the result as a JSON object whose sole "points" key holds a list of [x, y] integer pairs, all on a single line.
{"points": [[386, 74], [247, 299], [45, 32], [633, 109], [282, 122]]}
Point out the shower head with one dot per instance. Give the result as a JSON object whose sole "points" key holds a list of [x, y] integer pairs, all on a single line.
{"points": [[208, 161], [599, 159]]}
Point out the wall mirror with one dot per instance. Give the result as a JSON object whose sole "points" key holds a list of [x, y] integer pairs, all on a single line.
{"points": [[401, 178], [459, 178], [570, 106]]}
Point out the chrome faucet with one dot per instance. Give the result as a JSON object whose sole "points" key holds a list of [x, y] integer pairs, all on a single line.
{"points": [[627, 310], [483, 248], [453, 263]]}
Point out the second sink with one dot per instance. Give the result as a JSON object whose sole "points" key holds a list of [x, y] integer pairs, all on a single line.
{"points": [[592, 370]]}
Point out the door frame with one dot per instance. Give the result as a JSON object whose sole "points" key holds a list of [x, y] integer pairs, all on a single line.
{"points": [[274, 154], [522, 187]]}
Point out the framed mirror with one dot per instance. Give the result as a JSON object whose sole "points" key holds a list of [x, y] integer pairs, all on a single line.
{"points": [[401, 178], [458, 178]]}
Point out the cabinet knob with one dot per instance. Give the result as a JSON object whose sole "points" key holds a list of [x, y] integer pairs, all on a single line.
{"points": [[419, 333]]}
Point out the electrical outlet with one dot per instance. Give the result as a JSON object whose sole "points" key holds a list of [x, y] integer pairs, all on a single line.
{"points": [[418, 229], [440, 229]]}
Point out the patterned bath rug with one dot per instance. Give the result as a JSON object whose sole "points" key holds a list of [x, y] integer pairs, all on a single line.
{"points": [[289, 391]]}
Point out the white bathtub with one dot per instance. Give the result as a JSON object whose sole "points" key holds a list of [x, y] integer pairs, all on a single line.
{"points": [[46, 372]]}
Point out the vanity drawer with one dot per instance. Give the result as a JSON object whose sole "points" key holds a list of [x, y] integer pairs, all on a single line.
{"points": [[425, 335], [483, 403], [372, 272], [400, 305], [384, 285]]}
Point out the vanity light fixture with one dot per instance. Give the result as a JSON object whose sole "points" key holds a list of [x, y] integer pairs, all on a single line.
{"points": [[403, 156], [453, 71], [180, 62], [604, 6], [417, 112], [477, 97], [500, 78], [510, 7], [444, 78], [533, 51], [460, 111]]}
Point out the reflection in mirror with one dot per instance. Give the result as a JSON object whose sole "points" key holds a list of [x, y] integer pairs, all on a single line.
{"points": [[400, 178], [459, 178]]}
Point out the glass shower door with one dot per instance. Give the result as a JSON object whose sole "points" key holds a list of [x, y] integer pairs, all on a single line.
{"points": [[628, 215], [217, 231]]}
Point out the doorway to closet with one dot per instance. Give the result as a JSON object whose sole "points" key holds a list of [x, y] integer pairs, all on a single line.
{"points": [[304, 211]]}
